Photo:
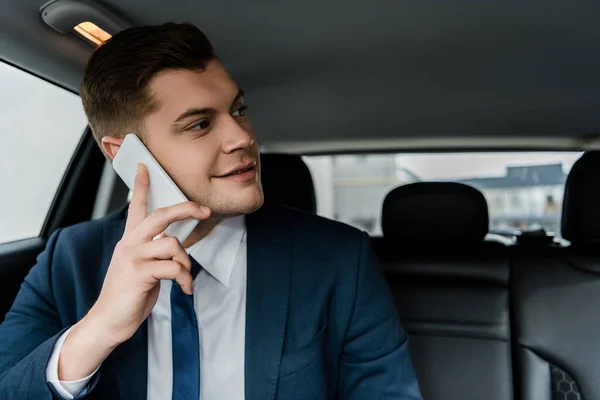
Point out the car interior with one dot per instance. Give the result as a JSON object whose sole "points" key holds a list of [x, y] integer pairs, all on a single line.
{"points": [[493, 311]]}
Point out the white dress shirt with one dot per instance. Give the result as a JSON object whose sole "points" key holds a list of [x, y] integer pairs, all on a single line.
{"points": [[220, 305]]}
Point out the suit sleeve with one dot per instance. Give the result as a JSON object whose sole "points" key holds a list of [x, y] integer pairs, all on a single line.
{"points": [[67, 389], [375, 360], [29, 333]]}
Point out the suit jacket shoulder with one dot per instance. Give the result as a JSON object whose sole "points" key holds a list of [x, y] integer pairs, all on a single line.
{"points": [[317, 230]]}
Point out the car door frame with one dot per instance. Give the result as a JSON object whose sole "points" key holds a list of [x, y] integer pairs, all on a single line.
{"points": [[73, 203]]}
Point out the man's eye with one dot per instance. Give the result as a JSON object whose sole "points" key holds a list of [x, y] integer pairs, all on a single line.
{"points": [[200, 126], [240, 112]]}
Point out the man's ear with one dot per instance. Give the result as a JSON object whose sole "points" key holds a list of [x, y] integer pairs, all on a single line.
{"points": [[111, 145]]}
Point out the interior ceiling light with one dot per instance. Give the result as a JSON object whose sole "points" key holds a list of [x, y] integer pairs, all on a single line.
{"points": [[92, 32], [89, 19]]}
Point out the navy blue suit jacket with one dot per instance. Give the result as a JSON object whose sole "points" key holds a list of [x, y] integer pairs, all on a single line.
{"points": [[321, 322]]}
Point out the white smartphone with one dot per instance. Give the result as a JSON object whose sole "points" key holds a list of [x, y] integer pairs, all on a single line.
{"points": [[162, 192]]}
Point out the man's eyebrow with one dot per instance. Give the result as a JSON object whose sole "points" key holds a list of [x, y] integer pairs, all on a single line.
{"points": [[194, 112]]}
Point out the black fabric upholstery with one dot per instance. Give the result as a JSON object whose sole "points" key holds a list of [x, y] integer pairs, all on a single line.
{"points": [[581, 204], [287, 181], [453, 300], [428, 211]]}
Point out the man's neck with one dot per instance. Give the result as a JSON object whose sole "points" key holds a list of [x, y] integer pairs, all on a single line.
{"points": [[201, 231]]}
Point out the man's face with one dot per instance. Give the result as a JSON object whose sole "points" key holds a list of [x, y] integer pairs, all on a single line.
{"points": [[201, 137]]}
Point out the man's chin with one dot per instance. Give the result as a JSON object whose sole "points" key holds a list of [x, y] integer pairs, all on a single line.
{"points": [[234, 207], [250, 208]]}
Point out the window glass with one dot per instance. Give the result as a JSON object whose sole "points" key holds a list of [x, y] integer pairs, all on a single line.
{"points": [[41, 125], [524, 191]]}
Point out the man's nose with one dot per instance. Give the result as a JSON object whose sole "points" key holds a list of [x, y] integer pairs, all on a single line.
{"points": [[236, 137]]}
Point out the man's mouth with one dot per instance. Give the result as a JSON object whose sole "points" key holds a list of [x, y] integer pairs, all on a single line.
{"points": [[241, 173]]}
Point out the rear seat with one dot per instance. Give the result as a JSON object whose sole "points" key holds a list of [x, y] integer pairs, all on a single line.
{"points": [[556, 299], [451, 289]]}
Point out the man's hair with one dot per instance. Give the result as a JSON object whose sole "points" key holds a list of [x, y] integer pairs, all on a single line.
{"points": [[115, 91]]}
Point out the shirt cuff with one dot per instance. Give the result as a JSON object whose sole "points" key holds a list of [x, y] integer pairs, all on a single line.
{"points": [[67, 389]]}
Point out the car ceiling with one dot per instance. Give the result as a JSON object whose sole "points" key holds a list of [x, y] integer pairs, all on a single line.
{"points": [[342, 75]]}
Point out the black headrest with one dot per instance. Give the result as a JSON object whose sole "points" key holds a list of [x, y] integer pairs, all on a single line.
{"points": [[581, 203], [287, 181], [435, 212]]}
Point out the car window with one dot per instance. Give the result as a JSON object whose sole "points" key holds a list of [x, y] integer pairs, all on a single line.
{"points": [[41, 125], [524, 191]]}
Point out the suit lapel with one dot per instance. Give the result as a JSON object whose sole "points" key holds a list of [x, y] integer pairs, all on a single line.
{"points": [[269, 258], [130, 359]]}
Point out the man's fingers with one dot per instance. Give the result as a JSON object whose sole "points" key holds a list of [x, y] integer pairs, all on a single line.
{"points": [[165, 248], [161, 218], [138, 208], [168, 269]]}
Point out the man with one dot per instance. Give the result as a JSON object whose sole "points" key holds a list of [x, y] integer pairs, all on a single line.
{"points": [[258, 303]]}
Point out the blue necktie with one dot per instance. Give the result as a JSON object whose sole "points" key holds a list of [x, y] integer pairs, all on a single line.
{"points": [[186, 342]]}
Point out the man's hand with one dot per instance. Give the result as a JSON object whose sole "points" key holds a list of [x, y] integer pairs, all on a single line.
{"points": [[131, 286]]}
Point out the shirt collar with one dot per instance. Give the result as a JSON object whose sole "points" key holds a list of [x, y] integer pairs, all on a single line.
{"points": [[217, 251]]}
